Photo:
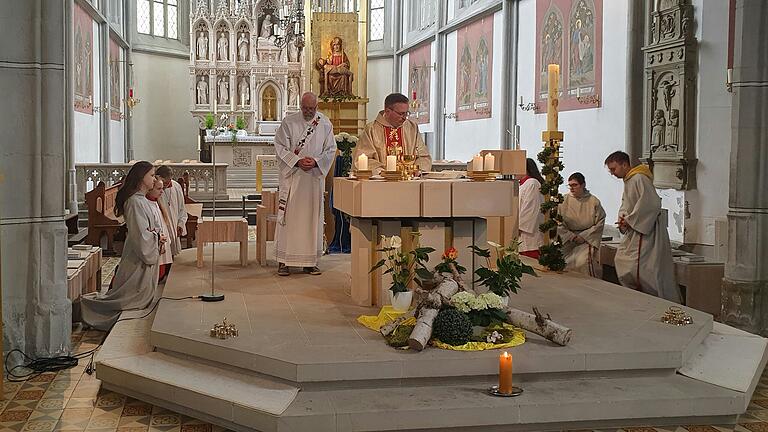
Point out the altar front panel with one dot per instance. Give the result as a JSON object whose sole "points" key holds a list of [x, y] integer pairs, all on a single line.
{"points": [[241, 158]]}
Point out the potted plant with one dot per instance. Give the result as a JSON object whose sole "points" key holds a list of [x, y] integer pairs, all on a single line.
{"points": [[210, 122], [505, 278], [240, 125], [345, 143], [405, 267]]}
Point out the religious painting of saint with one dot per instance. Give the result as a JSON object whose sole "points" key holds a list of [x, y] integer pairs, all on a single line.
{"points": [[83, 61], [581, 49], [551, 40], [569, 33], [335, 60], [420, 79], [115, 91], [335, 71], [474, 70]]}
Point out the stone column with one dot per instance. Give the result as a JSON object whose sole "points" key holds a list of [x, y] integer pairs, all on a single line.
{"points": [[745, 286], [36, 312]]}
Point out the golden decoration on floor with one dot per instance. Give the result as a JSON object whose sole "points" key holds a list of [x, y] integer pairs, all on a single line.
{"points": [[676, 316], [224, 330]]}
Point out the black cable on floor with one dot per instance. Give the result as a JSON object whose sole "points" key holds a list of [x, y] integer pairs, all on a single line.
{"points": [[37, 366]]}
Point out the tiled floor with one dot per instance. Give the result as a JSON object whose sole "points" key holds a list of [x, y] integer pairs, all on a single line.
{"points": [[72, 400]]}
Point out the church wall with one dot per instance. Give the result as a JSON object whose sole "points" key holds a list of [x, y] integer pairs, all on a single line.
{"points": [[116, 141], [87, 129], [380, 86], [465, 138], [590, 134], [713, 124], [162, 126]]}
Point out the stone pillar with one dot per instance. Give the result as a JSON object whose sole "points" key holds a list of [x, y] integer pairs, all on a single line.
{"points": [[36, 312], [745, 286]]}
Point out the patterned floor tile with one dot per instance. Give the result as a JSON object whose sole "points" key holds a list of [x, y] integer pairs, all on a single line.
{"points": [[12, 426], [46, 414], [15, 416], [164, 420], [700, 429], [200, 427], [137, 410], [81, 402], [72, 425], [135, 421], [49, 404], [39, 426], [756, 427], [29, 395], [132, 429]]}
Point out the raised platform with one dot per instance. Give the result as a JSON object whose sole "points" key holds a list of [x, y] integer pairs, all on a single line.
{"points": [[300, 332]]}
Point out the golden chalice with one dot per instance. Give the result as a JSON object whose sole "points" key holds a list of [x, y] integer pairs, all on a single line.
{"points": [[409, 166]]}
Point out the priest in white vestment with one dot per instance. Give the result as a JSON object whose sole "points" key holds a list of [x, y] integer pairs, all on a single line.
{"points": [[392, 133], [582, 229], [305, 150], [173, 197], [644, 256], [530, 216]]}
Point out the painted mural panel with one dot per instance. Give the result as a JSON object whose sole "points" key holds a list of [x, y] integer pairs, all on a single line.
{"points": [[420, 81], [569, 33], [474, 70], [115, 92], [83, 51]]}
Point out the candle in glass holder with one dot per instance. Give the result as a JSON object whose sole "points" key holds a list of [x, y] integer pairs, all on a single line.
{"points": [[477, 163], [362, 163], [391, 163], [505, 373], [489, 162]]}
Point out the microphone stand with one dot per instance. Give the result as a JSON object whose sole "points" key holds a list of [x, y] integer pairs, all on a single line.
{"points": [[213, 297]]}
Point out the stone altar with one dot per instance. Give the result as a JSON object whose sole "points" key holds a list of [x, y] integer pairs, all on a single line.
{"points": [[446, 213], [241, 157]]}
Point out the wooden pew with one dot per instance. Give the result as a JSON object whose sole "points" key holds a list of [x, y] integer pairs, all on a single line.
{"points": [[192, 219], [101, 215]]}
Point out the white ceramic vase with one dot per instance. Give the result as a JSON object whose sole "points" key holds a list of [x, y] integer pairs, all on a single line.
{"points": [[401, 301]]}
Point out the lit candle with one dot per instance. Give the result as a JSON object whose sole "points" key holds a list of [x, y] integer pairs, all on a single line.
{"points": [[517, 137], [729, 76], [477, 163], [391, 163], [362, 162], [554, 76], [505, 373], [198, 142], [489, 162], [215, 110]]}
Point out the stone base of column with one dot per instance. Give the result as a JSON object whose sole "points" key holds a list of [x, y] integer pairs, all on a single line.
{"points": [[745, 305], [37, 315]]}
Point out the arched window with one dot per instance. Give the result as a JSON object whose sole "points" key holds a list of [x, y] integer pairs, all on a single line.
{"points": [[158, 18]]}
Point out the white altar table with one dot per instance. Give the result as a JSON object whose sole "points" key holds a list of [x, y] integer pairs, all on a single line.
{"points": [[446, 213], [241, 156]]}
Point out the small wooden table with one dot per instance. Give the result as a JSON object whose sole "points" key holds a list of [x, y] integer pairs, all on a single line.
{"points": [[224, 230]]}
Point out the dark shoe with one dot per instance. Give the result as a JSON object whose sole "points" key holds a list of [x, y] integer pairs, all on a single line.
{"points": [[313, 271], [282, 270]]}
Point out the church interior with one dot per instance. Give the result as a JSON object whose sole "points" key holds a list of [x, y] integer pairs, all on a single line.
{"points": [[422, 215]]}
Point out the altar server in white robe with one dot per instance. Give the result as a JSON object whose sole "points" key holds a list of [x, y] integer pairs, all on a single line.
{"points": [[530, 210], [582, 228], [173, 197], [162, 212], [305, 150], [644, 256], [135, 284]]}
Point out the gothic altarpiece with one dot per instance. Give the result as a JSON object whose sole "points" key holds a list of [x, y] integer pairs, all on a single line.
{"points": [[670, 83], [235, 66]]}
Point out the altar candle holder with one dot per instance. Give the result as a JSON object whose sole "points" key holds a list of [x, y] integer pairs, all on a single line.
{"points": [[363, 174]]}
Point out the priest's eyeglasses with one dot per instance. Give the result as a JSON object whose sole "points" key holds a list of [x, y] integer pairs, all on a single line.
{"points": [[404, 114]]}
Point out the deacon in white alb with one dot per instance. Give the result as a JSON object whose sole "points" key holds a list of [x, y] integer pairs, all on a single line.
{"points": [[305, 150], [644, 258]]}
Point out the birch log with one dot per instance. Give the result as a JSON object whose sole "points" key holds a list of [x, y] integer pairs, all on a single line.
{"points": [[539, 324], [429, 308]]}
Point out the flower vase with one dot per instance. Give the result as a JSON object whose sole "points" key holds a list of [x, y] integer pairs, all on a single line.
{"points": [[401, 301], [242, 132], [209, 132], [505, 300]]}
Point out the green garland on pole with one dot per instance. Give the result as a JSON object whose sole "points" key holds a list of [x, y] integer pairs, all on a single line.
{"points": [[551, 253]]}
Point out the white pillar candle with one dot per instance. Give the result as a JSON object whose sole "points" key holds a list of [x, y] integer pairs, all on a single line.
{"points": [[477, 163], [391, 163], [489, 163], [362, 163]]}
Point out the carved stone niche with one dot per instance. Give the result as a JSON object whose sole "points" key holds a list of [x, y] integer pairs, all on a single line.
{"points": [[669, 102]]}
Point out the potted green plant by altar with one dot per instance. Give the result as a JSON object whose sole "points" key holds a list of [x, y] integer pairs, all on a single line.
{"points": [[345, 143], [405, 267], [210, 122], [240, 125], [505, 277]]}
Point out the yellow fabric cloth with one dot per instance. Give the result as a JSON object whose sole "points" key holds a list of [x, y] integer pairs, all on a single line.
{"points": [[517, 339], [640, 169], [386, 314]]}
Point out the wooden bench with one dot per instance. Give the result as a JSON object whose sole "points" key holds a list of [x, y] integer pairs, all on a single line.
{"points": [[101, 215]]}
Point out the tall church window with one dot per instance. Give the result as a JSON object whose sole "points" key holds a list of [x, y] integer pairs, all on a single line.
{"points": [[377, 20], [158, 18]]}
